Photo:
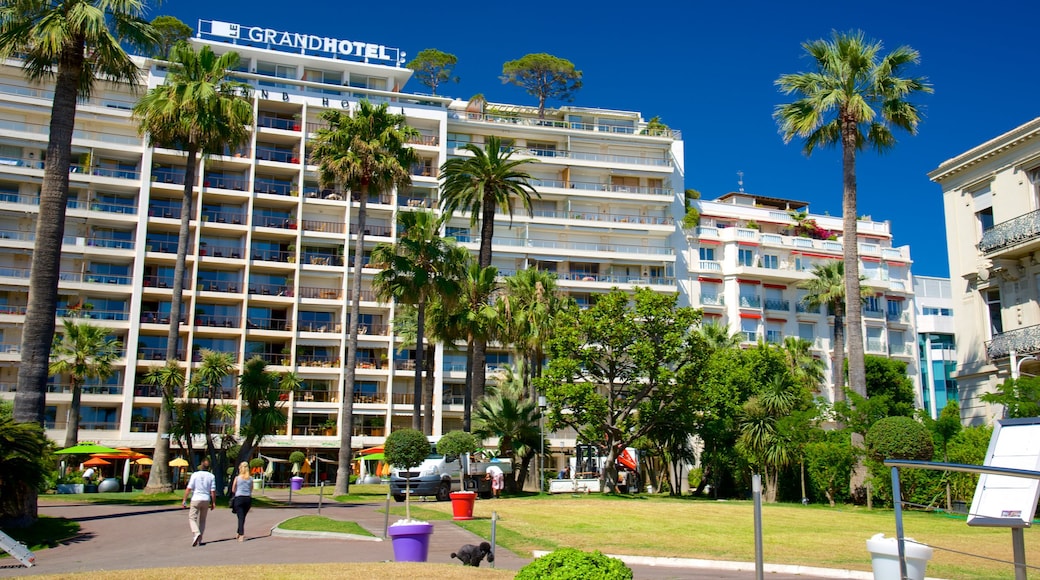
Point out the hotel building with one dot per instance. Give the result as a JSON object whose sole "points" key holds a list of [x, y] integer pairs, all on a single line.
{"points": [[268, 273], [936, 344], [751, 253], [991, 198]]}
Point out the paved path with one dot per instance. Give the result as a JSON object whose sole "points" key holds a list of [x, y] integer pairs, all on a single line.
{"points": [[121, 537]]}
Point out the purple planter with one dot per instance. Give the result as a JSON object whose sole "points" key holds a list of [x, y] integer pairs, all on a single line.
{"points": [[296, 483], [411, 541]]}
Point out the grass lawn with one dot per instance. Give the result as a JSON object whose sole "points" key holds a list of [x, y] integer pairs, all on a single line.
{"points": [[687, 528], [140, 498], [45, 533], [309, 572], [323, 524]]}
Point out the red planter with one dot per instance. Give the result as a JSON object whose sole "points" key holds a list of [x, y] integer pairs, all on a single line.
{"points": [[462, 505]]}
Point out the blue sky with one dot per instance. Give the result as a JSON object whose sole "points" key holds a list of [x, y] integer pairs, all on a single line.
{"points": [[708, 70]]}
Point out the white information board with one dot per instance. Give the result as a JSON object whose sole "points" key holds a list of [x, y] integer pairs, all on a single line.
{"points": [[1004, 500]]}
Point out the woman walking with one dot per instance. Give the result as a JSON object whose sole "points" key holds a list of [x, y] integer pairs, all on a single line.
{"points": [[243, 498]]}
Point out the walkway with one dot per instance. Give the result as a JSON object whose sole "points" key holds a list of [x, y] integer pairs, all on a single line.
{"points": [[122, 537]]}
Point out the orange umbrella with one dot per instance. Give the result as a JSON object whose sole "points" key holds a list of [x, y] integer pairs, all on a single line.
{"points": [[96, 462]]}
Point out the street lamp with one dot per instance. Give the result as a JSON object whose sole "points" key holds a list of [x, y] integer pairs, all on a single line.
{"points": [[541, 442]]}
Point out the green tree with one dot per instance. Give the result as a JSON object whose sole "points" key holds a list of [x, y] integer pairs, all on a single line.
{"points": [[888, 382], [508, 414], [261, 392], [74, 43], [406, 448], [853, 99], [416, 269], [526, 311], [612, 367], [207, 385], [1019, 397], [826, 289], [201, 110], [433, 67], [829, 462], [171, 31], [543, 76], [473, 319], [366, 153], [481, 184], [25, 460], [943, 429], [968, 447], [82, 352]]}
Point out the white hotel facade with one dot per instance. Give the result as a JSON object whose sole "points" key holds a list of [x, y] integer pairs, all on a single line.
{"points": [[267, 267]]}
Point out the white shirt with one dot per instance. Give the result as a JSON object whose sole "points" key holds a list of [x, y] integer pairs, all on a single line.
{"points": [[201, 484], [494, 471], [88, 473]]}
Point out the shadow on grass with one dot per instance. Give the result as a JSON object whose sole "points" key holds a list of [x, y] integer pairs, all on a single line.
{"points": [[46, 533]]}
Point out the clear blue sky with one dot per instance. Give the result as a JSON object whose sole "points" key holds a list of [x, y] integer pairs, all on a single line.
{"points": [[708, 70]]}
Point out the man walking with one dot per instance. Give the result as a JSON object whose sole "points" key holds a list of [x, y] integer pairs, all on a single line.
{"points": [[203, 488]]}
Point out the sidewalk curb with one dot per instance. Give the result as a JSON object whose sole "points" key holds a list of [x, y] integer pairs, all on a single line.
{"points": [[277, 530], [695, 563]]}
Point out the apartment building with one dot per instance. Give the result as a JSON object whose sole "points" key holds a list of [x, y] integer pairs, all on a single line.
{"points": [[991, 200], [936, 342], [268, 273], [751, 253]]}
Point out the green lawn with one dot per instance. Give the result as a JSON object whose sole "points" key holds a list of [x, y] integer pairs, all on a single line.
{"points": [[687, 528], [323, 524], [45, 533]]}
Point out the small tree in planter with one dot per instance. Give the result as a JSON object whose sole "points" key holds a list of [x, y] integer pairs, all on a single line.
{"points": [[256, 467], [457, 444], [406, 448], [297, 458]]}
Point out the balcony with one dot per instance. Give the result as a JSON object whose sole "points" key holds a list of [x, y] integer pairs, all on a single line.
{"points": [[1014, 232], [802, 307], [716, 300], [750, 302], [1021, 340], [779, 305]]}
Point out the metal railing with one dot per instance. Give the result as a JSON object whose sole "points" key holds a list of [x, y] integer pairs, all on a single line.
{"points": [[1021, 340], [1014, 231]]}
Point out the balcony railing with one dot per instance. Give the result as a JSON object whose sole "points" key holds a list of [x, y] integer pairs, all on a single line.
{"points": [[321, 293], [1014, 231], [716, 300], [267, 323], [750, 301], [783, 305], [1021, 340], [805, 308], [318, 396]]}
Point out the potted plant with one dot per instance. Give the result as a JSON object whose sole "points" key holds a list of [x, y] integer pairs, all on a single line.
{"points": [[297, 458], [456, 444], [286, 360], [256, 468], [330, 427], [407, 448]]}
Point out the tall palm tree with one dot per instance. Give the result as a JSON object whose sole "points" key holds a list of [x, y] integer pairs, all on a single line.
{"points": [[526, 310], [826, 289], [415, 271], [480, 184], [477, 319], [208, 384], [367, 153], [200, 109], [853, 99], [260, 390], [73, 42], [82, 352]]}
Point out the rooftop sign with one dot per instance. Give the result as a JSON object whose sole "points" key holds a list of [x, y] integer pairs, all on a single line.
{"points": [[298, 43]]}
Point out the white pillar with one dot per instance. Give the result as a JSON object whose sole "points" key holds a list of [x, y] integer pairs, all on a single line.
{"points": [[931, 376]]}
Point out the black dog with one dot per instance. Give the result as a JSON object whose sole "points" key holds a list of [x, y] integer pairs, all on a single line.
{"points": [[472, 555]]}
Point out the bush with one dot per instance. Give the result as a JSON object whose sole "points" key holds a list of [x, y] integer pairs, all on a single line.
{"points": [[456, 444], [572, 564], [406, 448], [899, 438], [297, 458], [829, 465]]}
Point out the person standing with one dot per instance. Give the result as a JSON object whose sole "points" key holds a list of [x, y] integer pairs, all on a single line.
{"points": [[203, 488], [88, 476], [497, 477], [243, 498]]}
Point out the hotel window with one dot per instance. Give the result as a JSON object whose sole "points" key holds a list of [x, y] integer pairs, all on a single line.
{"points": [[745, 257], [872, 304], [749, 328], [707, 254], [656, 185], [367, 82], [773, 333], [461, 235], [542, 149], [895, 308], [771, 262], [710, 293], [897, 342], [459, 140], [983, 202], [749, 297], [996, 324], [874, 341], [807, 331], [275, 70], [624, 184]]}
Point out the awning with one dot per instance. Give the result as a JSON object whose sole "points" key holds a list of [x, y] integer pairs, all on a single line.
{"points": [[750, 315]]}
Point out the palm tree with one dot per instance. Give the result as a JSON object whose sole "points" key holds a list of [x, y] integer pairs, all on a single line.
{"points": [[806, 370], [414, 272], [718, 337], [73, 42], [82, 352], [526, 310], [367, 153], [826, 289], [201, 110], [761, 440], [208, 383], [25, 463], [260, 390], [481, 184], [853, 99], [476, 319], [508, 414]]}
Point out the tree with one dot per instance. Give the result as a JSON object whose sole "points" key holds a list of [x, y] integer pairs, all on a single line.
{"points": [[473, 319], [544, 76], [73, 42], [82, 352], [25, 460], [260, 390], [433, 67], [612, 367], [415, 269], [887, 381], [207, 385], [200, 109], [366, 153], [1019, 397], [806, 370], [944, 429], [506, 413], [853, 99], [404, 449], [826, 289], [829, 462], [526, 311], [171, 31], [481, 184]]}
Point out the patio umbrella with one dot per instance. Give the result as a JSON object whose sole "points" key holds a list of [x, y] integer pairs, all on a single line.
{"points": [[179, 462], [85, 449], [96, 462], [144, 461]]}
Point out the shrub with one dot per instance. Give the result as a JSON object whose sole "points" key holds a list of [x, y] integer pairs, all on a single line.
{"points": [[256, 462], [572, 564], [829, 464], [406, 448], [297, 458], [456, 444], [899, 438]]}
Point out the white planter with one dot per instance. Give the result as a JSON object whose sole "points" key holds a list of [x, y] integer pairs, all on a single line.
{"points": [[884, 557], [70, 488]]}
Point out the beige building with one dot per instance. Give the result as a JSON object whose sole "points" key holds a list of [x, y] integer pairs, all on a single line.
{"points": [[991, 198]]}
